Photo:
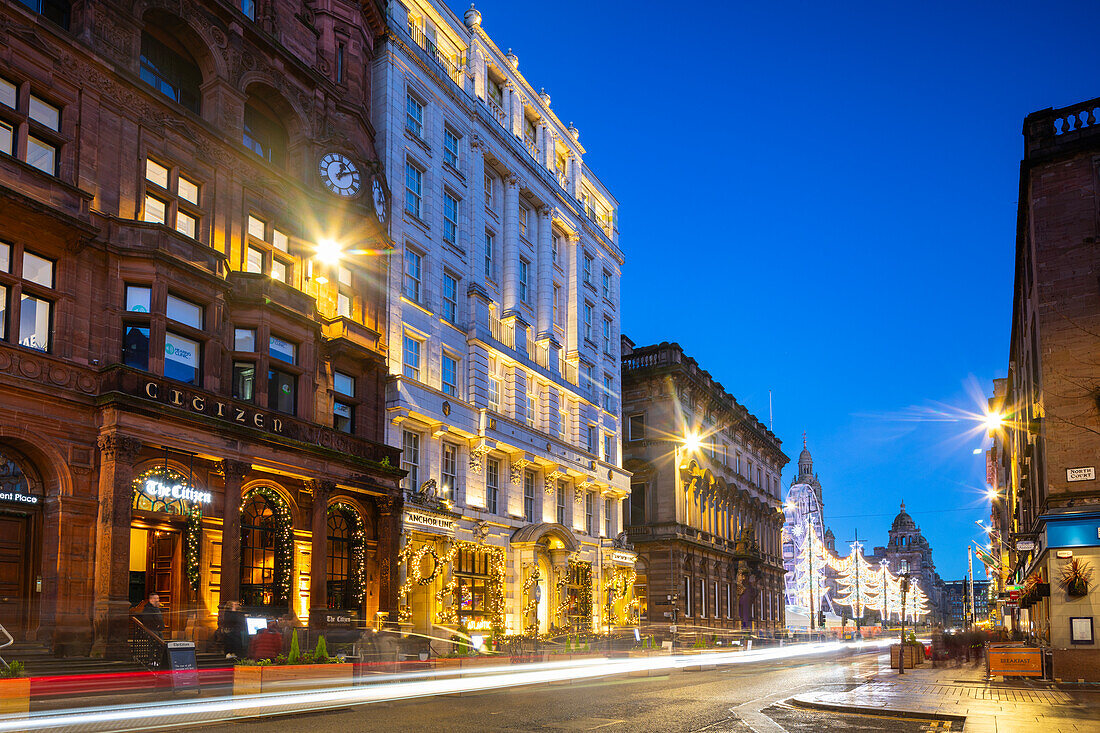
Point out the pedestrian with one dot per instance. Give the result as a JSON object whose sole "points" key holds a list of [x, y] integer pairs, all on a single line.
{"points": [[267, 643], [151, 616], [232, 628]]}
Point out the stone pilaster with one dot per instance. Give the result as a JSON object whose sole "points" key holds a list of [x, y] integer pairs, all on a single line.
{"points": [[233, 473], [318, 567], [117, 454], [511, 245], [545, 312], [389, 539]]}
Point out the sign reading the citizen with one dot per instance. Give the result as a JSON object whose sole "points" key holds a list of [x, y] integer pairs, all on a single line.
{"points": [[430, 521], [1082, 473]]}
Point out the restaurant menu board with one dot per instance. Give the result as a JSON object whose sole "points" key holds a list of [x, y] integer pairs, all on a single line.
{"points": [[181, 662]]}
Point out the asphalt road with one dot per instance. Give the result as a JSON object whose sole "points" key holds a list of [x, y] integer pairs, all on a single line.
{"points": [[742, 698]]}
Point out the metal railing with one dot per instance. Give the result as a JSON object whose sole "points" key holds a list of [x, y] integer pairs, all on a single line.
{"points": [[6, 644], [429, 46], [147, 648]]}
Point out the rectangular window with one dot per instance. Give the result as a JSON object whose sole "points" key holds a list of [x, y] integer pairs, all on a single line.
{"points": [[244, 339], [492, 484], [412, 274], [557, 304], [135, 346], [182, 357], [414, 186], [244, 381], [637, 503], [450, 148], [42, 155], [156, 173], [280, 272], [412, 358], [488, 190], [410, 459], [555, 248], [609, 448], [494, 394], [414, 116], [339, 63], [563, 417], [8, 93], [282, 391], [636, 427], [524, 268], [342, 416], [561, 502], [5, 257], [138, 298], [256, 227], [280, 240], [529, 496], [282, 350], [449, 470], [607, 518], [450, 297], [7, 138], [524, 213], [592, 444], [156, 211], [489, 266], [185, 312], [44, 113], [607, 328], [608, 394], [607, 284], [729, 605], [589, 506], [587, 321], [343, 384], [530, 410], [450, 218], [449, 371], [588, 268], [186, 224], [248, 7], [188, 191], [687, 596]]}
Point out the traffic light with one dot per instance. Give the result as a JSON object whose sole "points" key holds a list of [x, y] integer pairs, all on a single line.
{"points": [[821, 619]]}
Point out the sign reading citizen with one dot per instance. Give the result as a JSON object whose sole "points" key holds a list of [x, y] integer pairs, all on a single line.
{"points": [[212, 407]]}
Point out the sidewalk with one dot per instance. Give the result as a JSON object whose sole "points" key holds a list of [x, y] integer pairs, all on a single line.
{"points": [[962, 694]]}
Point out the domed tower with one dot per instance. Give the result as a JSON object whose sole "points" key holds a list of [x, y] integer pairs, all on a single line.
{"points": [[830, 539]]}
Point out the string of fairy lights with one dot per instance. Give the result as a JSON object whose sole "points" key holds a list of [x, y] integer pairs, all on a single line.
{"points": [[862, 587]]}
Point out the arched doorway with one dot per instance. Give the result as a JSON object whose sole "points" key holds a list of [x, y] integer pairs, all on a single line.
{"points": [[21, 496], [266, 551], [346, 558]]}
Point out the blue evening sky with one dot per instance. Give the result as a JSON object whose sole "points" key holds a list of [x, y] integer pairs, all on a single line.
{"points": [[820, 199]]}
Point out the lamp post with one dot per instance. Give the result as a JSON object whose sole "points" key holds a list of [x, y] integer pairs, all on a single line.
{"points": [[901, 649]]}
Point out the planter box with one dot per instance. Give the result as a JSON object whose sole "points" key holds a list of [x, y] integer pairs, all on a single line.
{"points": [[289, 677], [914, 655], [15, 696]]}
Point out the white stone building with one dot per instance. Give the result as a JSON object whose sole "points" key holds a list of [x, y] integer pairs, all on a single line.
{"points": [[504, 334]]}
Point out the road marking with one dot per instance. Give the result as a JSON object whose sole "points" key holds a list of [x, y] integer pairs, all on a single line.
{"points": [[751, 713]]}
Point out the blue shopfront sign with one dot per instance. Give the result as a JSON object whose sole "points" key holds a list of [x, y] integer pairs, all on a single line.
{"points": [[1079, 531]]}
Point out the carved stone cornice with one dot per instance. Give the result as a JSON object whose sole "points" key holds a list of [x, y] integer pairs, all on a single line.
{"points": [[321, 489], [233, 470]]}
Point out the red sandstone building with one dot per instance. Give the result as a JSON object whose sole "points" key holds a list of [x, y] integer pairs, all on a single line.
{"points": [[192, 272]]}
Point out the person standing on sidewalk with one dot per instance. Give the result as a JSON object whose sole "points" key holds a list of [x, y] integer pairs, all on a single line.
{"points": [[151, 615]]}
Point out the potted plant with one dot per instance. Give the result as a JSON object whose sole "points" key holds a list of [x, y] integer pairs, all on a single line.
{"points": [[294, 671], [15, 690], [1076, 576]]}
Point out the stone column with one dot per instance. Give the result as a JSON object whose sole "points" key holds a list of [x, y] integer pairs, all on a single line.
{"points": [[233, 473], [112, 572], [318, 563], [389, 545], [511, 244]]}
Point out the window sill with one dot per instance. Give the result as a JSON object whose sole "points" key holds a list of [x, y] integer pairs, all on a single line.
{"points": [[410, 135], [455, 172]]}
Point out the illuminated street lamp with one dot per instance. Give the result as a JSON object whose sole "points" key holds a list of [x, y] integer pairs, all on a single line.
{"points": [[329, 252], [993, 421]]}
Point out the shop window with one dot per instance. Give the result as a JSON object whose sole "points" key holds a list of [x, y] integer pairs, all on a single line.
{"points": [[244, 381], [263, 134], [282, 391], [262, 556], [170, 69], [338, 574]]}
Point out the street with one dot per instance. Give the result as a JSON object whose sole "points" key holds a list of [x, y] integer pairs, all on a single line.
{"points": [[737, 698]]}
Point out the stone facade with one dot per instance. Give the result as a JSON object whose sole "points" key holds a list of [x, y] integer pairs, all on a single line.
{"points": [[704, 513], [504, 325], [1044, 465], [908, 551], [193, 396]]}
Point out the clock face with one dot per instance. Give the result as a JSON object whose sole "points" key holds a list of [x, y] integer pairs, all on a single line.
{"points": [[340, 174], [379, 201]]}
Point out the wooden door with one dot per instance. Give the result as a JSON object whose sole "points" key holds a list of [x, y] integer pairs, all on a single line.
{"points": [[162, 577], [14, 590]]}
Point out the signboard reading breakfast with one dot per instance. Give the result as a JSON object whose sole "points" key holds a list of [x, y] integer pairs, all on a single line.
{"points": [[1015, 661]]}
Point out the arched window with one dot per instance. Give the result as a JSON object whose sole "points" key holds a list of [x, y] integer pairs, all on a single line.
{"points": [[339, 560], [170, 69], [263, 134], [264, 554]]}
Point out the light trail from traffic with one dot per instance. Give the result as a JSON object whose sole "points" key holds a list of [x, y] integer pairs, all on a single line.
{"points": [[383, 688]]}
